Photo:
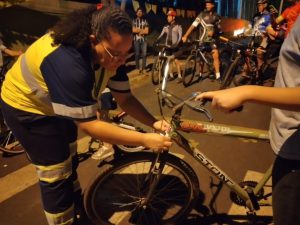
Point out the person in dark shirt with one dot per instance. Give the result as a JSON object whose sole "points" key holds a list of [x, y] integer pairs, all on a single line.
{"points": [[140, 30], [212, 24]]}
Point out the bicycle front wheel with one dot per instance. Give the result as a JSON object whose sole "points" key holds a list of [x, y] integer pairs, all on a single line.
{"points": [[118, 193], [189, 71], [156, 74]]}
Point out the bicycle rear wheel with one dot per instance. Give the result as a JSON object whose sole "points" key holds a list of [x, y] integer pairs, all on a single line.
{"points": [[189, 71], [156, 74], [268, 71], [230, 73], [9, 144], [117, 192]]}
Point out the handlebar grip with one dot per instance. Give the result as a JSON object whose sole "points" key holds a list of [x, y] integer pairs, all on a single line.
{"points": [[224, 39]]}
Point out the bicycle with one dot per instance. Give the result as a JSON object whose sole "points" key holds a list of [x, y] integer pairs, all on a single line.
{"points": [[161, 64], [245, 60], [9, 145], [160, 188], [201, 55]]}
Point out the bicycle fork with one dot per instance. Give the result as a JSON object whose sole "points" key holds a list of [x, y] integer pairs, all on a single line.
{"points": [[153, 178]]}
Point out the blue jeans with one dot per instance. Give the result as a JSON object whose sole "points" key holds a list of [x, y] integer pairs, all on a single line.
{"points": [[140, 48]]}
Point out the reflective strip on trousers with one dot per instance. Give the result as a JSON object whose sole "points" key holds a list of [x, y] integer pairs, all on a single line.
{"points": [[62, 218], [53, 173]]}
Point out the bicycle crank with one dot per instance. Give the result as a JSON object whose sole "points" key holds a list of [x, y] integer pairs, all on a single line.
{"points": [[245, 184]]}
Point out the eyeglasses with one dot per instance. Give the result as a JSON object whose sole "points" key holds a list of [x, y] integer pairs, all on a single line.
{"points": [[117, 57]]}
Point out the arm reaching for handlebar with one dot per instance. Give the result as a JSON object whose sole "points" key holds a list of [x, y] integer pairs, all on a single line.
{"points": [[229, 99]]}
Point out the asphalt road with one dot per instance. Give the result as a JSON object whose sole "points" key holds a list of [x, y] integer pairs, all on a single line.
{"points": [[19, 192]]}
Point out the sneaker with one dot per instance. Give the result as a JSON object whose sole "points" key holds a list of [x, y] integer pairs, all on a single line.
{"points": [[103, 152]]}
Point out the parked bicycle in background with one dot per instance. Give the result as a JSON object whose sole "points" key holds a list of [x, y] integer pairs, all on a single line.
{"points": [[9, 145], [244, 67]]}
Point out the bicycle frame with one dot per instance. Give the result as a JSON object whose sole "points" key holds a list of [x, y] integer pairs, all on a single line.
{"points": [[248, 195], [177, 124]]}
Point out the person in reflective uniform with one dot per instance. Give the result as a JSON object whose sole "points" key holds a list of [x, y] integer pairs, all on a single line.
{"points": [[50, 92]]}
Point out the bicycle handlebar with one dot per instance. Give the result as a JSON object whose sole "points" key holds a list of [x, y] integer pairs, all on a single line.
{"points": [[236, 43], [188, 102]]}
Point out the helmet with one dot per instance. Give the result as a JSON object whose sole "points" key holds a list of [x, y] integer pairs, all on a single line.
{"points": [[210, 1], [172, 13], [262, 1]]}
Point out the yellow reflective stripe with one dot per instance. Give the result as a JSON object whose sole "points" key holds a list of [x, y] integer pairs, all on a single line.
{"points": [[75, 112], [55, 172], [63, 218]]}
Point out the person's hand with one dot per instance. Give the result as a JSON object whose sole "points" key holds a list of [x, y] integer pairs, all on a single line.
{"points": [[225, 100], [184, 39], [156, 142], [20, 52], [161, 125]]}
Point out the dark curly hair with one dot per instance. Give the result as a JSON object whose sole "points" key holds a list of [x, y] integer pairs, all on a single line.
{"points": [[75, 29]]}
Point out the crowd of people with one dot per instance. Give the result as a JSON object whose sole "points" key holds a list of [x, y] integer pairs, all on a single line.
{"points": [[44, 104]]}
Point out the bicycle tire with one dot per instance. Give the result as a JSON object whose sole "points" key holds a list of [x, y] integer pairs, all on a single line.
{"points": [[9, 144], [129, 148], [189, 70], [114, 194], [268, 70], [230, 73], [156, 76], [225, 62]]}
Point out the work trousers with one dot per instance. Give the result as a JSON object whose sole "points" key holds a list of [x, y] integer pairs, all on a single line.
{"points": [[50, 145]]}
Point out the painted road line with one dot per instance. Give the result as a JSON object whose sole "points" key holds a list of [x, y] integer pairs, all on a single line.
{"points": [[17, 181], [25, 177]]}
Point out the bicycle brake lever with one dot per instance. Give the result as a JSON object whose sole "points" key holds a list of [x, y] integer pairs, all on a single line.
{"points": [[181, 104], [200, 108], [238, 109]]}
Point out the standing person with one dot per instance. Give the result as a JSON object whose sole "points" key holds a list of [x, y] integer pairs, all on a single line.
{"points": [[289, 15], [140, 30], [48, 94], [212, 22], [261, 20], [284, 130], [173, 33]]}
